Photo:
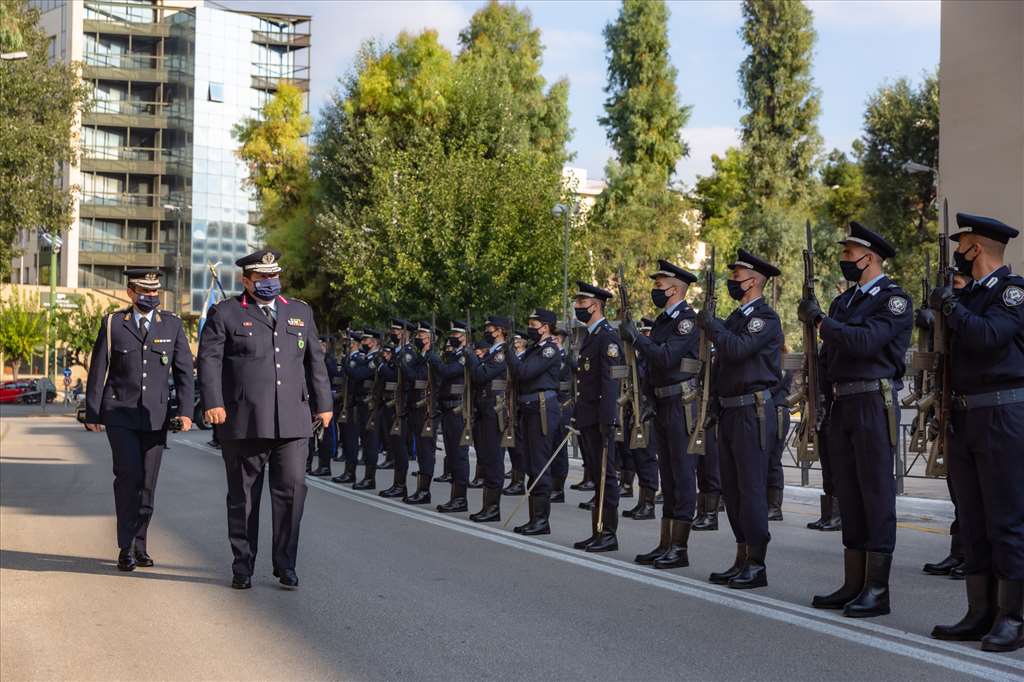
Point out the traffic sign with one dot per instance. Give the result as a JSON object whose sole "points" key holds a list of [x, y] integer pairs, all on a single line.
{"points": [[67, 372]]}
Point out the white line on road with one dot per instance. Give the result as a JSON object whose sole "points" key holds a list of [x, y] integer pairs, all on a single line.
{"points": [[865, 633]]}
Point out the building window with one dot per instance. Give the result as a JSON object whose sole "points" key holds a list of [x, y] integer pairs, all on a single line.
{"points": [[216, 92]]}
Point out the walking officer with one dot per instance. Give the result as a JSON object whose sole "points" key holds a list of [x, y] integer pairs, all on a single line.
{"points": [[255, 355], [748, 368], [489, 390], [986, 321], [673, 339], [598, 376], [536, 377], [136, 351], [451, 372], [424, 421], [864, 340]]}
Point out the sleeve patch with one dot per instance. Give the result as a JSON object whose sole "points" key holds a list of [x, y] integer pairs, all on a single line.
{"points": [[1013, 296], [549, 352], [897, 305], [685, 326], [499, 357], [613, 350], [755, 325]]}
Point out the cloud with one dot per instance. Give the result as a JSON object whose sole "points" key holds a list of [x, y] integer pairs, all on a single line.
{"points": [[703, 143], [856, 14]]}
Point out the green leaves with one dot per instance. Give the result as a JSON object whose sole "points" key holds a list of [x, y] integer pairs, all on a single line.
{"points": [[22, 331]]}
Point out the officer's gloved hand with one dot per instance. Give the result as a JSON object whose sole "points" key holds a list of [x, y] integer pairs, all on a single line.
{"points": [[704, 319], [809, 311], [924, 319], [941, 298], [628, 331]]}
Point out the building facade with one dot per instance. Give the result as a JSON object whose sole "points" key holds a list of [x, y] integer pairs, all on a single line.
{"points": [[160, 182]]}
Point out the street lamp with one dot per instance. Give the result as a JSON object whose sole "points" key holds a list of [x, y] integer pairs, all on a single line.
{"points": [[566, 213], [55, 242]]}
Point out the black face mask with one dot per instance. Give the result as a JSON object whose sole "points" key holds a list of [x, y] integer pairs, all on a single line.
{"points": [[418, 342], [532, 334], [489, 339], [963, 266], [852, 271], [735, 287], [659, 298], [394, 339], [583, 315], [453, 342], [365, 347]]}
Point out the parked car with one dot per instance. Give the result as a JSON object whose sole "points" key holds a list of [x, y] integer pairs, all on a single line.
{"points": [[36, 389], [11, 391]]}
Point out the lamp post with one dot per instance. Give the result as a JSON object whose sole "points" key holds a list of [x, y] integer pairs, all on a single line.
{"points": [[177, 255], [912, 167], [566, 213], [55, 243]]}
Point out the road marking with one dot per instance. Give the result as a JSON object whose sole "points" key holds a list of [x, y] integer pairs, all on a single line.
{"points": [[862, 632]]}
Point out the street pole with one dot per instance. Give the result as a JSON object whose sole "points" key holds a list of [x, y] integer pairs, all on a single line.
{"points": [[565, 270], [177, 267]]}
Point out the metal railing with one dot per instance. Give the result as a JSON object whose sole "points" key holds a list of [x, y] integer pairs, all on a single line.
{"points": [[128, 107], [123, 199], [119, 153]]}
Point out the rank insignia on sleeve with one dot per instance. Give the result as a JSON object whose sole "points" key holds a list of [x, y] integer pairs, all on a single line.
{"points": [[549, 352], [897, 305], [755, 325], [296, 322], [613, 350], [1013, 296], [685, 326]]}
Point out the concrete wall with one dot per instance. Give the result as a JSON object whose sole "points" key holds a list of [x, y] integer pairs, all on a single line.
{"points": [[981, 91]]}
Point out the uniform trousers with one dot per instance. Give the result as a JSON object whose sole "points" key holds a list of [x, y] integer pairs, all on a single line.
{"points": [[560, 467], [136, 458], [601, 443], [456, 455], [677, 466], [536, 445], [744, 465], [709, 475], [426, 445], [487, 443], [349, 434], [776, 474], [396, 444]]}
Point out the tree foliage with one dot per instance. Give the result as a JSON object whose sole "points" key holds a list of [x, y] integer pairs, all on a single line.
{"points": [[39, 103], [76, 329], [22, 331]]}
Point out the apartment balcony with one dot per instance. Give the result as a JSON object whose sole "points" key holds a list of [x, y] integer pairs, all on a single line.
{"points": [[123, 18], [271, 84], [129, 66], [146, 160], [126, 113], [123, 28], [122, 205], [295, 41], [129, 254]]}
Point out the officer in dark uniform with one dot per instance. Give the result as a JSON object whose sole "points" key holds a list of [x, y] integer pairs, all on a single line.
{"points": [[350, 428], [450, 368], [425, 422], [643, 461], [536, 377], [324, 450], [673, 339], [489, 390], [598, 376], [516, 455], [865, 338], [776, 474], [396, 395], [747, 370], [368, 406], [709, 482], [560, 467], [261, 373], [136, 350], [830, 519], [986, 321]]}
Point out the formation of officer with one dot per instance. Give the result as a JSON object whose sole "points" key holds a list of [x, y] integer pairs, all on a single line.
{"points": [[451, 370], [489, 374], [137, 351], [262, 376]]}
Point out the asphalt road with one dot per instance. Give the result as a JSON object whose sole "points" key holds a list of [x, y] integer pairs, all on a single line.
{"points": [[392, 592]]}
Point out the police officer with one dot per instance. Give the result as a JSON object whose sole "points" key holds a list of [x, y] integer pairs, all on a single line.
{"points": [[560, 467], [673, 339], [350, 428], [776, 474], [368, 405], [830, 519], [255, 355], [450, 368], [748, 368], [136, 350], [325, 448], [516, 455], [865, 338], [489, 391], [986, 321], [424, 423], [536, 377], [396, 394], [596, 415]]}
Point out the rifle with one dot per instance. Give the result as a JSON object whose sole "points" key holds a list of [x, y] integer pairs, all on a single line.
{"points": [[922, 363], [508, 434], [396, 424], [467, 388], [810, 399], [943, 389], [698, 438], [429, 399], [344, 393], [375, 401], [631, 386]]}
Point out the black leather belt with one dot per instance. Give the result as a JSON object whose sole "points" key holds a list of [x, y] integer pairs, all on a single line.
{"points": [[534, 397], [846, 388], [993, 399], [674, 389], [456, 389], [748, 399], [498, 384], [564, 386], [390, 385]]}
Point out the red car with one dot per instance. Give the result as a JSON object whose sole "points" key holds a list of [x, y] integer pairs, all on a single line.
{"points": [[27, 391], [11, 391]]}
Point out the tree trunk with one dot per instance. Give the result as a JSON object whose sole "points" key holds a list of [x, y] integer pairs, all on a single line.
{"points": [[15, 366]]}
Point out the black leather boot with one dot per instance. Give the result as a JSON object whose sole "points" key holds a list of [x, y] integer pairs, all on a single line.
{"points": [[644, 508], [491, 510], [516, 487], [369, 481], [825, 504], [647, 559], [126, 560], [1007, 633], [397, 488], [723, 577], [774, 504], [981, 612], [709, 520], [558, 491], [583, 544], [590, 504], [458, 501], [834, 522], [540, 509], [626, 484], [586, 485], [348, 476], [946, 566], [388, 463], [478, 480], [422, 494], [854, 566], [676, 555], [873, 599], [606, 540], [753, 574]]}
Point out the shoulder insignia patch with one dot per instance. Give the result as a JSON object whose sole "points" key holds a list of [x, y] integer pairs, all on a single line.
{"points": [[462, 360], [897, 305], [408, 357], [549, 352], [499, 357], [1013, 296], [613, 350], [685, 326], [755, 325], [675, 313], [351, 363]]}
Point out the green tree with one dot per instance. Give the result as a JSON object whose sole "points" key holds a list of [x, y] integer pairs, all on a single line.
{"points": [[36, 139], [76, 329], [720, 197], [843, 198], [639, 217], [901, 123], [22, 332]]}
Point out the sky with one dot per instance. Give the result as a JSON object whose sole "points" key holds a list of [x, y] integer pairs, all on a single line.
{"points": [[861, 45]]}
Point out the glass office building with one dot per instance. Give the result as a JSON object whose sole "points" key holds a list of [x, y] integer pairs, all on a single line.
{"points": [[161, 183]]}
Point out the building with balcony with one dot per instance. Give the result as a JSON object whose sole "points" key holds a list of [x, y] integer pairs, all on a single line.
{"points": [[159, 180]]}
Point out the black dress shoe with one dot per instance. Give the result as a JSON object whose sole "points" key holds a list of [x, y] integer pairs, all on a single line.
{"points": [[143, 560], [241, 582], [944, 567], [625, 491], [590, 504], [394, 491], [126, 560], [585, 486], [557, 496], [443, 478], [344, 478], [959, 572], [476, 483], [365, 484], [287, 577], [387, 464], [322, 471]]}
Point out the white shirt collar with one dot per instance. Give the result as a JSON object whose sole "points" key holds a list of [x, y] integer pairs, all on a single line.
{"points": [[592, 327], [985, 278], [137, 315], [672, 308], [749, 304], [272, 304], [864, 288]]}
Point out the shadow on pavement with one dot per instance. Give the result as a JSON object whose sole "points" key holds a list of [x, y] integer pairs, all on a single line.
{"points": [[48, 563]]}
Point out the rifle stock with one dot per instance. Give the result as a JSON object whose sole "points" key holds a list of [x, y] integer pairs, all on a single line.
{"points": [[936, 465], [811, 407], [429, 399], [698, 439], [630, 388]]}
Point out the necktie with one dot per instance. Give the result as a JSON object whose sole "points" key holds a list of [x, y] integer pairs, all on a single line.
{"points": [[144, 327], [269, 312]]}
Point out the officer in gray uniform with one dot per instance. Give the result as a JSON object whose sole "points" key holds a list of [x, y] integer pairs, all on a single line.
{"points": [[261, 374], [136, 350]]}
